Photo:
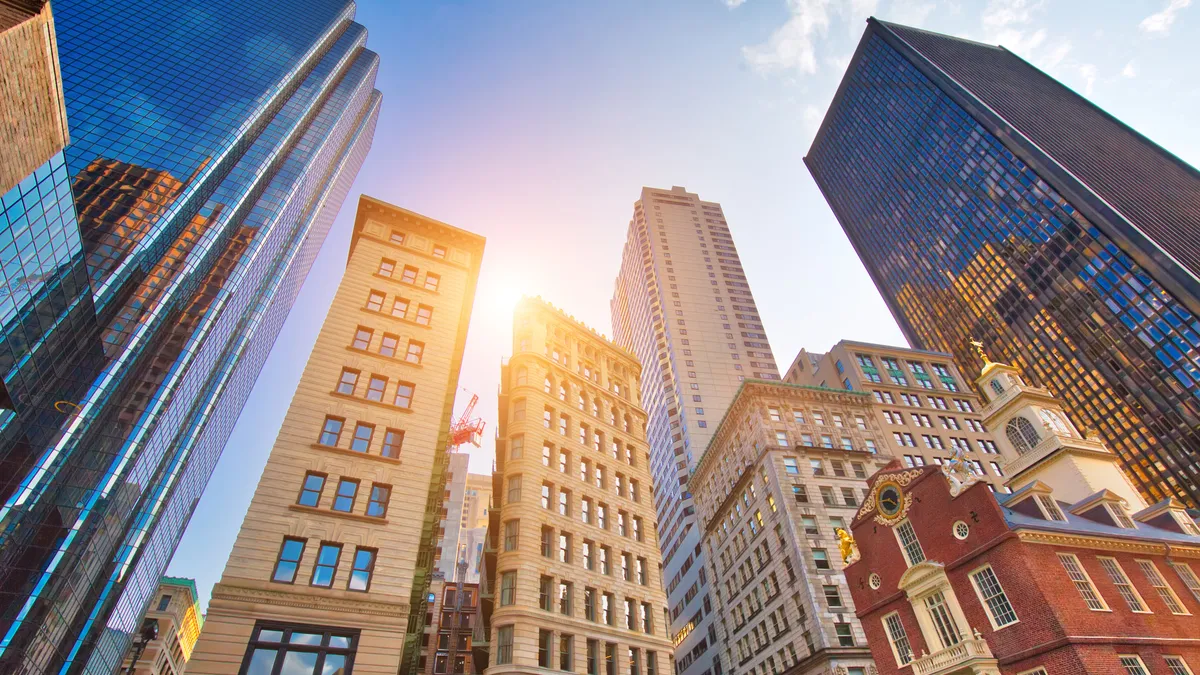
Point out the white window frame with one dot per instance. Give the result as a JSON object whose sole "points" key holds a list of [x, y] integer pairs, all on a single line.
{"points": [[1189, 578], [1164, 591], [1062, 558], [903, 548], [1040, 670], [1135, 657], [1123, 581], [1187, 670], [892, 639], [983, 600], [1055, 514]]}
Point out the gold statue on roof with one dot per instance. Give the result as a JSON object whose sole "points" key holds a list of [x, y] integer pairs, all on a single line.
{"points": [[979, 350], [847, 546]]}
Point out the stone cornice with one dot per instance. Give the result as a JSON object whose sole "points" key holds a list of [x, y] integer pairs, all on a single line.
{"points": [[311, 598], [1078, 540], [576, 378]]}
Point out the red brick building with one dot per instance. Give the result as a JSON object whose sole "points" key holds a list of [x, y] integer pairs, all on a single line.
{"points": [[1071, 573]]}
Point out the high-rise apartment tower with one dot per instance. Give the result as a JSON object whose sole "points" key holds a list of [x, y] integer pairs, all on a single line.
{"points": [[683, 306], [577, 580], [989, 201], [337, 545], [147, 269]]}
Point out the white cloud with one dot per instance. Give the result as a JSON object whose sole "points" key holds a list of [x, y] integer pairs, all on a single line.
{"points": [[791, 46], [910, 12], [1001, 13], [1088, 71], [734, 4], [1160, 22], [1130, 70]]}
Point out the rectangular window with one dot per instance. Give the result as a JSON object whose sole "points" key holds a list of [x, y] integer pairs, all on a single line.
{"points": [[439, 251], [504, 645], [331, 432], [514, 489], [375, 388], [909, 543], [375, 301], [565, 592], [1177, 665], [790, 465], [833, 596], [546, 593], [1160, 585], [1116, 574], [844, 633], [288, 560], [275, 646], [347, 382], [1132, 663], [387, 346], [380, 496], [821, 559], [347, 491], [1188, 576], [400, 307], [431, 281], [512, 531], [508, 588], [392, 440], [593, 657], [310, 489], [1083, 583], [362, 437], [424, 314], [409, 275], [943, 621], [416, 350], [164, 602], [1000, 611], [362, 338], [901, 648], [545, 639], [326, 566], [566, 649], [404, 394]]}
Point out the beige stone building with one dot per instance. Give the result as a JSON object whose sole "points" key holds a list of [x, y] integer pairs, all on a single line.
{"points": [[337, 546], [577, 579], [925, 406], [33, 114], [478, 501], [175, 612], [770, 498]]}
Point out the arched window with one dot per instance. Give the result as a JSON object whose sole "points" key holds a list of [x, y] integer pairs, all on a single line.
{"points": [[549, 385], [562, 392], [1055, 423], [997, 387], [1021, 434], [522, 376]]}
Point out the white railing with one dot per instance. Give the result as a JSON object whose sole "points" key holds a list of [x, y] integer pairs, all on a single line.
{"points": [[945, 660]]}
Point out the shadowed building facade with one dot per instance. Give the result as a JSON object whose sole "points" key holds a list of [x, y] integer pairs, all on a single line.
{"points": [[986, 199], [577, 579], [338, 542], [681, 302], [146, 270]]}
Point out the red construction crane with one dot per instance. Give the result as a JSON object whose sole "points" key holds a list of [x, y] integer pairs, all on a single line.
{"points": [[466, 430]]}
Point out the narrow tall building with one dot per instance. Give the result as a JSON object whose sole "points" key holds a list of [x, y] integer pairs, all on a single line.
{"points": [[927, 410], [464, 522], [335, 554], [146, 269], [987, 199], [170, 630], [577, 580], [681, 303], [772, 503]]}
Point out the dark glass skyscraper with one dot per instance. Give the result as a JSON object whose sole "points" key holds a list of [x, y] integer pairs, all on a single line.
{"points": [[986, 199], [147, 269]]}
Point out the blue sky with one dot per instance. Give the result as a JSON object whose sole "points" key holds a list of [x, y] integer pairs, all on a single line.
{"points": [[536, 124]]}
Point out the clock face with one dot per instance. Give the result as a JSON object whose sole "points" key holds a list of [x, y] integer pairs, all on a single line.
{"points": [[889, 501]]}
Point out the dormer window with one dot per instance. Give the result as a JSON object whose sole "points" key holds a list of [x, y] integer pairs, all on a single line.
{"points": [[1049, 507], [1119, 516], [1022, 434], [997, 387], [1186, 523]]}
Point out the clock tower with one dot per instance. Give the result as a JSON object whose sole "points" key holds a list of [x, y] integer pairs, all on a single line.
{"points": [[1040, 443]]}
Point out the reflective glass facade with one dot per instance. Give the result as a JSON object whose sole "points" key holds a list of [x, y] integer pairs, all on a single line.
{"points": [[971, 228], [147, 270]]}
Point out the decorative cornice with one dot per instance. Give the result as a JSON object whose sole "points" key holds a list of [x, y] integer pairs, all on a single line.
{"points": [[311, 599], [1107, 544]]}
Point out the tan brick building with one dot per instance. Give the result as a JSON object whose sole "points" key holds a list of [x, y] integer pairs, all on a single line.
{"points": [[33, 113], [176, 614], [339, 537], [770, 501], [577, 579], [925, 406]]}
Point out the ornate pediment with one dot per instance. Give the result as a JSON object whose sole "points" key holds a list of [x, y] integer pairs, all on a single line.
{"points": [[901, 478]]}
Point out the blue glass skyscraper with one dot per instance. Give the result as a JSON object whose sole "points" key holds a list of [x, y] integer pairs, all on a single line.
{"points": [[988, 200], [147, 270]]}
